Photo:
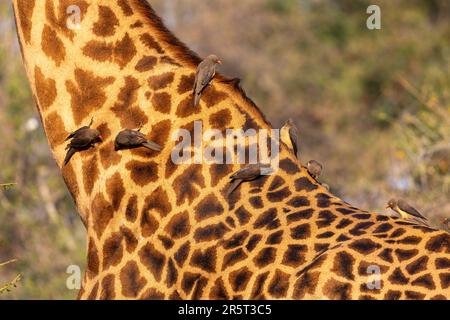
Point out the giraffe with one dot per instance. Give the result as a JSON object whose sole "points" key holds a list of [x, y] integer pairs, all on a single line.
{"points": [[157, 230]]}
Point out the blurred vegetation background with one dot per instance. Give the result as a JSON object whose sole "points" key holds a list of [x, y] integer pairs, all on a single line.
{"points": [[372, 106]]}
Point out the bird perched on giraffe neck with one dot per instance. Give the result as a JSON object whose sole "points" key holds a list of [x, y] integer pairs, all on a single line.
{"points": [[289, 135], [206, 71], [80, 140], [314, 168], [131, 139], [248, 173], [405, 210]]}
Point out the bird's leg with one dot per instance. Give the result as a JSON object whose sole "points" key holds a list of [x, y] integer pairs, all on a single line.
{"points": [[91, 123]]}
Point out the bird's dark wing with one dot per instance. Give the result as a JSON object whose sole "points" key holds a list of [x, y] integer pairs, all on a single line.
{"points": [[409, 209], [248, 173], [152, 145], [73, 134], [80, 142]]}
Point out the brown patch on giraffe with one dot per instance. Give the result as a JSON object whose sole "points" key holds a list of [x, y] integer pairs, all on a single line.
{"points": [[149, 224], [153, 294], [275, 238], [166, 242], [295, 255], [445, 280], [131, 212], [186, 84], [143, 173], [300, 215], [276, 183], [161, 81], [104, 130], [218, 172], [403, 255], [233, 257], [107, 288], [299, 201], [87, 93], [306, 284], [364, 246], [253, 241], [265, 257], [170, 168], [52, 45], [439, 243], [386, 255], [304, 184], [412, 240], [93, 264], [125, 7], [108, 157], [107, 22], [205, 259], [93, 294], [397, 277], [25, 10], [289, 166], [412, 295], [337, 290], [344, 223], [442, 263], [150, 43], [147, 63], [178, 226], [236, 240], [208, 207], [120, 53], [243, 215], [325, 219], [258, 286], [220, 119], [158, 201], [385, 227], [187, 187], [417, 265], [90, 173], [360, 228], [131, 280], [172, 274], [161, 102], [211, 96], [219, 291], [186, 108], [153, 260], [392, 295], [131, 241], [182, 254], [189, 281], [55, 129], [102, 213], [279, 285], [130, 117], [70, 179], [45, 89], [397, 233], [425, 281], [116, 190], [343, 265], [211, 232], [239, 279], [112, 250], [265, 219], [302, 231], [137, 24]]}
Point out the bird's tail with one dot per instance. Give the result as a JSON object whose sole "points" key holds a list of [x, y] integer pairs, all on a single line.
{"points": [[197, 97], [152, 146], [233, 187], [69, 155]]}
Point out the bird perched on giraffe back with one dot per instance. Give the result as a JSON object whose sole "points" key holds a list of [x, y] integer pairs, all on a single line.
{"points": [[405, 210], [314, 168], [289, 136], [80, 140], [248, 173], [131, 139], [206, 71]]}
